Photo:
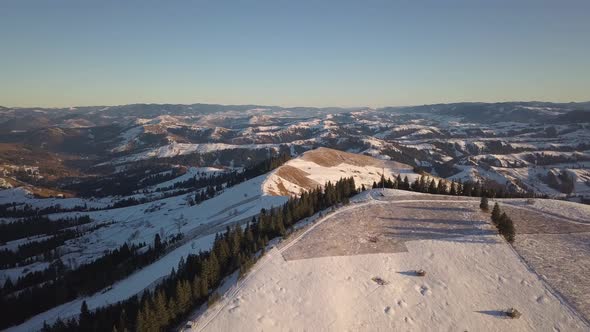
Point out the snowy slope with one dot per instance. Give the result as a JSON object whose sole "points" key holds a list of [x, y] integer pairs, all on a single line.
{"points": [[140, 223], [472, 276], [314, 168]]}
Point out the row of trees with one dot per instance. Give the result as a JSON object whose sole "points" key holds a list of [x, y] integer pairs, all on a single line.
{"points": [[27, 253], [36, 226], [425, 184], [42, 290], [14, 210], [193, 282], [500, 219]]}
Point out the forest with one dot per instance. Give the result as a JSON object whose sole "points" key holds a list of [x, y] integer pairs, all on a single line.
{"points": [[198, 275]]}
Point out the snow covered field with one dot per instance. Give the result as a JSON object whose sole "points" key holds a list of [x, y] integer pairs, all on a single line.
{"points": [[324, 283], [556, 247]]}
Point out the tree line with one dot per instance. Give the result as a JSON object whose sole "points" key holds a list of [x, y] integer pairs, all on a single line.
{"points": [[37, 225], [424, 184], [503, 223], [39, 291], [194, 281], [26, 253]]}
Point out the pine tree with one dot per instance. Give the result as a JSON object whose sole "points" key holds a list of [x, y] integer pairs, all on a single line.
{"points": [[196, 288], [406, 183], [506, 227], [173, 308], [161, 312], [214, 269], [484, 204], [453, 189], [140, 322], [121, 325], [204, 288], [158, 243], [496, 213], [183, 296], [432, 187], [441, 187], [8, 284], [416, 185], [85, 315], [422, 184]]}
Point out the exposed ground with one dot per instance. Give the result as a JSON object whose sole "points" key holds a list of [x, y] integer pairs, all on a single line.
{"points": [[323, 278], [314, 168], [389, 227], [295, 176], [329, 158], [558, 249]]}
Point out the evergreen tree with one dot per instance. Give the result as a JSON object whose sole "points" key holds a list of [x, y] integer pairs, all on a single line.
{"points": [[8, 285], [196, 288], [406, 183], [432, 187], [453, 189], [160, 307], [496, 213], [204, 288], [506, 227], [85, 316], [158, 243], [484, 204], [214, 269], [441, 187]]}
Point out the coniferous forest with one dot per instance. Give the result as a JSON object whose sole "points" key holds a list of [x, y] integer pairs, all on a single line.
{"points": [[197, 276]]}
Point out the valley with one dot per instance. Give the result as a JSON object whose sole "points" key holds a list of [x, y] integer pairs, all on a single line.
{"points": [[132, 198]]}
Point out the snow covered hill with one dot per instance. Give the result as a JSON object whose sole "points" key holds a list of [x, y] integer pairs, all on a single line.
{"points": [[355, 269], [460, 141], [167, 217], [316, 167]]}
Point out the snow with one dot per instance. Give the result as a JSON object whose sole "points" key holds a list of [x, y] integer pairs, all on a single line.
{"points": [[140, 223], [127, 138], [318, 175], [22, 196], [13, 245], [191, 173], [569, 210], [121, 290], [176, 149], [470, 281]]}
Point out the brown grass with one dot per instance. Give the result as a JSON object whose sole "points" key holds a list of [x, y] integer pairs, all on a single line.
{"points": [[295, 176], [329, 157]]}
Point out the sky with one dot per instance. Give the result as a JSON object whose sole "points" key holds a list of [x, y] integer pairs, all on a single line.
{"points": [[292, 53]]}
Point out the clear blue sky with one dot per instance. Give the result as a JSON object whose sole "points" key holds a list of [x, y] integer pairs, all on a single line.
{"points": [[293, 53]]}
